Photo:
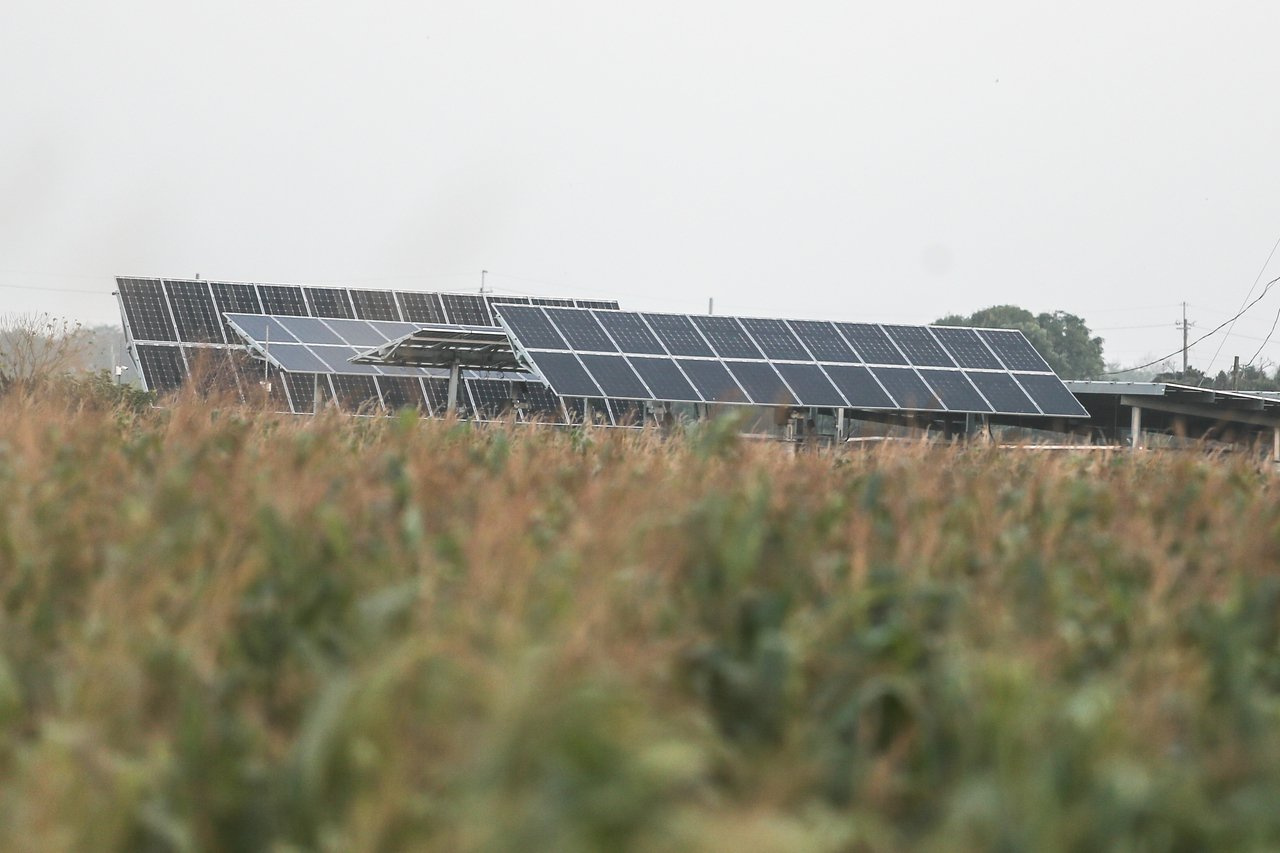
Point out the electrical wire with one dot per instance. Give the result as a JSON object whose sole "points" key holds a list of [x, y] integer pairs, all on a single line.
{"points": [[1265, 264], [1207, 334]]}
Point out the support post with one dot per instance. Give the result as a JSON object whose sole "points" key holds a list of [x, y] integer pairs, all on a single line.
{"points": [[1275, 445], [1135, 427], [839, 425], [315, 394], [451, 407]]}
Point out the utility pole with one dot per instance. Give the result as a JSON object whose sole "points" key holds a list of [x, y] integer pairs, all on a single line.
{"points": [[483, 273], [1185, 327]]}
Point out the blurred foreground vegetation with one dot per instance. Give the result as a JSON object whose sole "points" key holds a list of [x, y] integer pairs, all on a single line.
{"points": [[221, 630]]}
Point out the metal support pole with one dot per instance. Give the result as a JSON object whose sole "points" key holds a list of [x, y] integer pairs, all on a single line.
{"points": [[316, 399], [1275, 445], [451, 407], [839, 424], [1135, 427]]}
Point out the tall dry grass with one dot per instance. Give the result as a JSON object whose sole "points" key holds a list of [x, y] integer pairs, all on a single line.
{"points": [[222, 630]]}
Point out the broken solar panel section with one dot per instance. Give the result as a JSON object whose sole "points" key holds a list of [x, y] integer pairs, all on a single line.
{"points": [[619, 355], [186, 314]]}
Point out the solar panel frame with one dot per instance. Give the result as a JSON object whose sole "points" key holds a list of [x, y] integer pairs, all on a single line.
{"points": [[566, 375], [615, 377], [530, 326], [811, 385], [375, 304], [329, 302], [665, 379], [283, 299], [146, 310], [823, 341], [1050, 395], [1003, 392], [678, 335], [712, 380], [1014, 350], [195, 316], [907, 388], [580, 329], [859, 386], [774, 339], [417, 307], [762, 383], [955, 391], [966, 348], [630, 333], [466, 309]]}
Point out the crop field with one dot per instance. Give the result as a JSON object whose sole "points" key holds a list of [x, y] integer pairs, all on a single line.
{"points": [[224, 630]]}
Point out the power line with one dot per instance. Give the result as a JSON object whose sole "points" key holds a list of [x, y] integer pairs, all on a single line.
{"points": [[54, 289], [1265, 264], [1207, 334]]}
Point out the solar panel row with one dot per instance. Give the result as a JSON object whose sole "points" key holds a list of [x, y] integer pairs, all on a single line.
{"points": [[716, 359]]}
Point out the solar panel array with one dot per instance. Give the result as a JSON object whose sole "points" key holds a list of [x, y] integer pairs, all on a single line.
{"points": [[619, 355], [177, 329]]}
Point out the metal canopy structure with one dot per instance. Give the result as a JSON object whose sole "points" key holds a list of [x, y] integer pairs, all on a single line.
{"points": [[472, 347], [632, 356]]}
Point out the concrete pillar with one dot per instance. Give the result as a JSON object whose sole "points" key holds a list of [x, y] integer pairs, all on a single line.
{"points": [[315, 394], [839, 424], [1135, 427]]}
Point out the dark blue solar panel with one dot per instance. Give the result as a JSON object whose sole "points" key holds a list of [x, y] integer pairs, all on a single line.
{"points": [[824, 341], [727, 337], [402, 392], [630, 332], [194, 312], [579, 327], [310, 330], [162, 367], [421, 307], [871, 343], [678, 334], [1014, 349], [530, 327], [282, 299], [665, 379], [1051, 395], [328, 302], [375, 305], [1004, 393], [463, 309], [810, 384], [761, 382], [955, 391], [615, 377], [564, 374], [907, 388], [358, 333], [261, 328], [296, 358], [859, 386], [146, 310], [712, 381], [920, 347], [775, 340], [966, 347]]}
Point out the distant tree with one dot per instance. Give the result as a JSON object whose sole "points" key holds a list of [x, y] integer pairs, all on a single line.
{"points": [[38, 347], [1063, 339]]}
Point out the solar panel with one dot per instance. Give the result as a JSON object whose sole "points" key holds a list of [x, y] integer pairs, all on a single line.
{"points": [[358, 333], [310, 330], [465, 309], [665, 379], [824, 341], [956, 392], [761, 382], [194, 313], [282, 299], [375, 305], [560, 303], [811, 385], [775, 340], [919, 346], [402, 392], [858, 386], [566, 375], [230, 298], [422, 307], [296, 358], [531, 327], [677, 334], [537, 402], [1014, 350], [712, 381], [966, 347], [1051, 395], [615, 377], [907, 388], [437, 391], [339, 360], [726, 337], [630, 332], [356, 394], [146, 311], [580, 329], [301, 388], [162, 367], [491, 399], [328, 302], [1004, 392], [871, 343]]}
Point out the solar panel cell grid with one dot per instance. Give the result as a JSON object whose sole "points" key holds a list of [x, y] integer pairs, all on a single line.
{"points": [[761, 382], [630, 332], [357, 394], [564, 374], [907, 388], [401, 392], [1014, 350], [859, 387], [146, 311], [491, 399], [824, 341], [955, 391], [328, 302], [537, 402], [531, 327], [296, 358], [665, 379], [615, 377], [580, 329], [1003, 391], [678, 334], [375, 305], [301, 388], [1050, 395], [466, 310], [421, 307], [310, 330], [920, 347], [282, 299], [966, 347], [712, 381], [162, 367], [726, 337], [810, 384], [437, 392], [194, 312], [871, 343], [358, 333], [775, 340]]}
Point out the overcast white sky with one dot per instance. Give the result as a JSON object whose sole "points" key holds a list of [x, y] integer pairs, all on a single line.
{"points": [[851, 160]]}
